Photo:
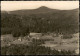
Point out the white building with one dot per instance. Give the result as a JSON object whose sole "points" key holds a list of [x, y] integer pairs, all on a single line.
{"points": [[36, 35]]}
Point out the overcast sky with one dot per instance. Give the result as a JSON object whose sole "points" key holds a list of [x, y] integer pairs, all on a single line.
{"points": [[18, 5]]}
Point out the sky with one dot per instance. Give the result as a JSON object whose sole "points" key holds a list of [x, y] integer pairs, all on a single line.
{"points": [[18, 5]]}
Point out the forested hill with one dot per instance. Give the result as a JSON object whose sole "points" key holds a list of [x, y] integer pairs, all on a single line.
{"points": [[40, 10], [41, 20]]}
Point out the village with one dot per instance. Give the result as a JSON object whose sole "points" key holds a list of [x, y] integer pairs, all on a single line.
{"points": [[52, 40]]}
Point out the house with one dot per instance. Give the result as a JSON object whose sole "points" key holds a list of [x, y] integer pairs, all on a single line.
{"points": [[35, 35], [19, 39]]}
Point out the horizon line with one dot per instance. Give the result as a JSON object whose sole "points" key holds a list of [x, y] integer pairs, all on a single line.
{"points": [[38, 8]]}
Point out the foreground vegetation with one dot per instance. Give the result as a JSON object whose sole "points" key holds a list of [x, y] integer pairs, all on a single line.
{"points": [[32, 50]]}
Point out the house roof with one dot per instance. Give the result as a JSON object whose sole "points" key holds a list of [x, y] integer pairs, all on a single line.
{"points": [[35, 33]]}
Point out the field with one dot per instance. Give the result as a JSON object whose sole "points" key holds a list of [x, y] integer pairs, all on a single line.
{"points": [[59, 44]]}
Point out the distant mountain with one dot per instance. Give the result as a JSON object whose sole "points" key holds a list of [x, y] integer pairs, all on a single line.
{"points": [[39, 10], [43, 19], [42, 9]]}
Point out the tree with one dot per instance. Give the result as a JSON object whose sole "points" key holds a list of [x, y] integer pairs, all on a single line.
{"points": [[22, 31], [16, 32]]}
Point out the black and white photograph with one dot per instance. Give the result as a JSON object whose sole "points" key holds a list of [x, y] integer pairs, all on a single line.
{"points": [[39, 27]]}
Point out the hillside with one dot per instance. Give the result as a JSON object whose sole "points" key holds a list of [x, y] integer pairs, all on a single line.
{"points": [[39, 10], [42, 19]]}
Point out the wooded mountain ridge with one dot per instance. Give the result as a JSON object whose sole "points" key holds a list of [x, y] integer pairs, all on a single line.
{"points": [[42, 19]]}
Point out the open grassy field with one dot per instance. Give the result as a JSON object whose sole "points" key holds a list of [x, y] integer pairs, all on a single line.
{"points": [[59, 44]]}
